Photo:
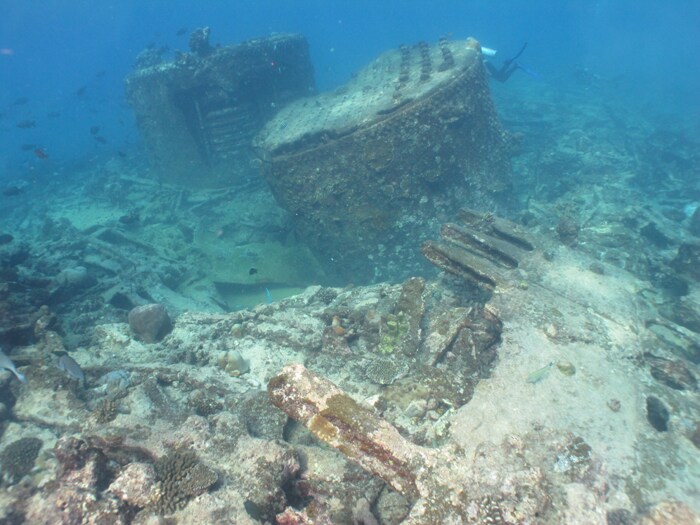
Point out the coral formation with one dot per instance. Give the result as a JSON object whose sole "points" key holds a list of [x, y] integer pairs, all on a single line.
{"points": [[105, 411], [393, 331], [180, 476], [385, 371], [204, 404], [17, 459]]}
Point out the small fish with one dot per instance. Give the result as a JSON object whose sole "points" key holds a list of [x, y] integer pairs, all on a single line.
{"points": [[539, 375], [268, 296], [7, 364], [41, 154], [26, 124], [6, 238], [252, 271], [53, 114], [181, 31], [28, 147], [99, 139], [121, 154], [80, 92], [70, 367], [21, 101], [94, 130]]}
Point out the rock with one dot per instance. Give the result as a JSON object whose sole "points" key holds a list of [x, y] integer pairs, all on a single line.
{"points": [[340, 502], [262, 419], [416, 408], [134, 484], [695, 436], [688, 260], [652, 233], [71, 505], [234, 363], [566, 368], [392, 507], [82, 466], [682, 313], [669, 281], [597, 267], [694, 224], [76, 276], [657, 414], [264, 467], [150, 322], [671, 512]]}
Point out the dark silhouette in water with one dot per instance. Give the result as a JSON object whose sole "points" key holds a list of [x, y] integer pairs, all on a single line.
{"points": [[508, 67]]}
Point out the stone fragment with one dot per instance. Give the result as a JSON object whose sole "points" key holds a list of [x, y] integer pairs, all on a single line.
{"points": [[134, 484], [568, 230], [150, 322]]}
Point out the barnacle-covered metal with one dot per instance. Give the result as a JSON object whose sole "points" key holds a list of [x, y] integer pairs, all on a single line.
{"points": [[198, 113], [365, 170]]}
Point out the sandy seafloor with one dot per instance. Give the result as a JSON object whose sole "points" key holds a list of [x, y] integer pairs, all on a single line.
{"points": [[573, 443]]}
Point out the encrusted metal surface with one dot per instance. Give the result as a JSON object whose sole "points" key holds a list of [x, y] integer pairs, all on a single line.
{"points": [[364, 171], [198, 114], [394, 80]]}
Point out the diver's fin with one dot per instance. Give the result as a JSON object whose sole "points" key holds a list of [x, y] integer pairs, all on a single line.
{"points": [[522, 49], [533, 74]]}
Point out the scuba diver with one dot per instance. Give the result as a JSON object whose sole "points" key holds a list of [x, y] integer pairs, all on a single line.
{"points": [[509, 66]]}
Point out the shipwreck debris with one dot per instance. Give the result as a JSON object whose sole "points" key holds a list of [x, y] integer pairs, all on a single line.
{"points": [[198, 114], [365, 169], [482, 249]]}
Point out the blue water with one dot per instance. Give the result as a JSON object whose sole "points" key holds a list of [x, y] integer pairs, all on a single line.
{"points": [[69, 59]]}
